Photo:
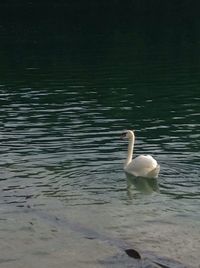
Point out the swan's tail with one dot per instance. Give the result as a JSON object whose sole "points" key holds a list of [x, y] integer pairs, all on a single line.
{"points": [[154, 173]]}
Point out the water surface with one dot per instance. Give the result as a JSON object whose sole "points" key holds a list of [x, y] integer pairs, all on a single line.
{"points": [[62, 111]]}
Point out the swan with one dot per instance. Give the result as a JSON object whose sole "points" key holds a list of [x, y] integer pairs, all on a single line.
{"points": [[141, 166]]}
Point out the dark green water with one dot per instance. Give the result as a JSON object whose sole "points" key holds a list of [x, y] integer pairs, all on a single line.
{"points": [[64, 103]]}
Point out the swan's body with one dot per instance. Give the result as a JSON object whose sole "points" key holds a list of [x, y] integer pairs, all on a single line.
{"points": [[142, 166]]}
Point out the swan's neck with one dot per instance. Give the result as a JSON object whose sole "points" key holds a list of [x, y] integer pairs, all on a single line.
{"points": [[130, 151]]}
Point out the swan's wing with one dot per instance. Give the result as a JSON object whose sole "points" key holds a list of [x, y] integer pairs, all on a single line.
{"points": [[142, 165], [144, 161]]}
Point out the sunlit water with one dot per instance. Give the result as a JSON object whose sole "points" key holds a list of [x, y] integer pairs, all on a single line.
{"points": [[61, 117]]}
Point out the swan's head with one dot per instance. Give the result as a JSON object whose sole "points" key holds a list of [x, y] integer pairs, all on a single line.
{"points": [[127, 134]]}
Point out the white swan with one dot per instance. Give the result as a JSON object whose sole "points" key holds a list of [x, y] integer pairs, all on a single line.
{"points": [[141, 166]]}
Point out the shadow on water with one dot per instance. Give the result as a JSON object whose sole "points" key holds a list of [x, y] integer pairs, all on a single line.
{"points": [[143, 185], [126, 256]]}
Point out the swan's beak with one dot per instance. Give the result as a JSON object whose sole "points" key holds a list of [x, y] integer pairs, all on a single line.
{"points": [[123, 136]]}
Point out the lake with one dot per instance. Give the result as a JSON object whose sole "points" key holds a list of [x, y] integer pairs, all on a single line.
{"points": [[64, 102]]}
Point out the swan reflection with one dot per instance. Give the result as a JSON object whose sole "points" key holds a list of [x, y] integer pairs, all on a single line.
{"points": [[144, 185]]}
